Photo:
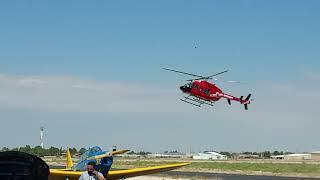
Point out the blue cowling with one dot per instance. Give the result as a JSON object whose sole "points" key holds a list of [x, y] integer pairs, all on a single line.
{"points": [[105, 165]]}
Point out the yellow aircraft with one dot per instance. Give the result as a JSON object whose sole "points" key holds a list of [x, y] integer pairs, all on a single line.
{"points": [[104, 161]]}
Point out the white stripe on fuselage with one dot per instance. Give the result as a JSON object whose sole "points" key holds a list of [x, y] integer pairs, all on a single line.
{"points": [[227, 96], [217, 94]]}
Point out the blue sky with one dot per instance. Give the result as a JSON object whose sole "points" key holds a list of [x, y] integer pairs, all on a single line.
{"points": [[68, 60]]}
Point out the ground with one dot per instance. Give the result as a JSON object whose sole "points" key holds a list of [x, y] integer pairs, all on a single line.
{"points": [[229, 167]]}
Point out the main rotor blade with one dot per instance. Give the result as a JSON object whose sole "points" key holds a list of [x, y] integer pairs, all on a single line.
{"points": [[234, 82], [208, 77], [201, 78], [217, 74], [183, 72]]}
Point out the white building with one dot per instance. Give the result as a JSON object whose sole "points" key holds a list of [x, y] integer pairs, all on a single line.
{"points": [[315, 155], [210, 155], [297, 157]]}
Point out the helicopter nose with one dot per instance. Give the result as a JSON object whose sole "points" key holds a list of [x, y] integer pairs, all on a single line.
{"points": [[184, 89]]}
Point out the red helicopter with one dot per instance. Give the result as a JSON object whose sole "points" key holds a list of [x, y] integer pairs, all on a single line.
{"points": [[201, 91]]}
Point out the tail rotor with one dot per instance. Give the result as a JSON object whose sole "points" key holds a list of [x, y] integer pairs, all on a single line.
{"points": [[246, 101]]}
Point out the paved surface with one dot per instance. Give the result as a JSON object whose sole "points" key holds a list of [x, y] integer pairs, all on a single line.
{"points": [[221, 176]]}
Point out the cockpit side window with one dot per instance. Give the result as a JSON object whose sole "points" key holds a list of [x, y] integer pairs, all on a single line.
{"points": [[190, 85], [84, 156], [207, 91], [94, 150]]}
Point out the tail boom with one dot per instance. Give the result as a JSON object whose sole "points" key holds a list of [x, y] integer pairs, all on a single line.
{"points": [[230, 98]]}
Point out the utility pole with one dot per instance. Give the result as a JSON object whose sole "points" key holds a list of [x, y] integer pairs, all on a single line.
{"points": [[41, 137]]}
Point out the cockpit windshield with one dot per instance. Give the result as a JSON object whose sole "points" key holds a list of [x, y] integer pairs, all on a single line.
{"points": [[84, 156], [189, 85], [95, 149], [91, 152]]}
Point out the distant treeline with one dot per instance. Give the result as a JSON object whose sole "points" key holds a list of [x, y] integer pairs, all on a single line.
{"points": [[264, 154], [54, 151], [141, 153], [39, 151]]}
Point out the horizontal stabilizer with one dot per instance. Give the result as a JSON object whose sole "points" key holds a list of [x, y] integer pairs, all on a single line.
{"points": [[119, 152], [241, 99], [248, 97], [108, 154]]}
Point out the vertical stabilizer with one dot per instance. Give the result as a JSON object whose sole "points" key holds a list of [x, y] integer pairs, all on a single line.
{"points": [[69, 160]]}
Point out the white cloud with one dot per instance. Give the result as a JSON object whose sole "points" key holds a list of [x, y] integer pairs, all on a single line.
{"points": [[313, 75], [72, 94], [30, 82], [282, 115], [63, 93]]}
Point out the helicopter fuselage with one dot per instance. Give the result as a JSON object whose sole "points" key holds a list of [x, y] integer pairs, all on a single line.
{"points": [[203, 90]]}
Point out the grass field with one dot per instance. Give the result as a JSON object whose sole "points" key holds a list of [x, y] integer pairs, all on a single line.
{"points": [[291, 169]]}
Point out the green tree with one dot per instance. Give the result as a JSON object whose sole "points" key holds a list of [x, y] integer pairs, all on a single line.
{"points": [[266, 154], [142, 153], [38, 150], [276, 153], [5, 149], [131, 152], [26, 149], [73, 151], [53, 151], [82, 150], [225, 153]]}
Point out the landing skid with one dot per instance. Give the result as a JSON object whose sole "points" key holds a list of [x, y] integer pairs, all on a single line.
{"points": [[196, 101]]}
